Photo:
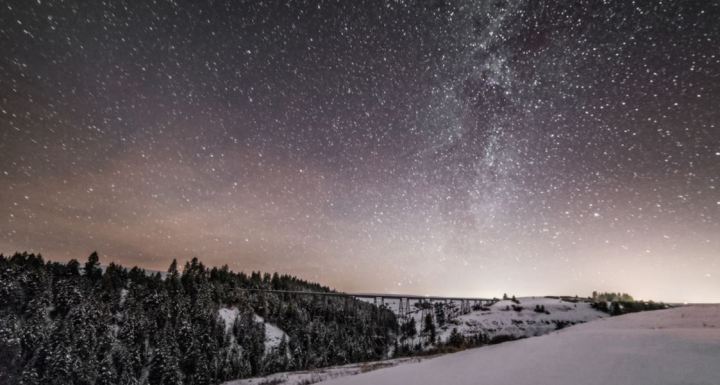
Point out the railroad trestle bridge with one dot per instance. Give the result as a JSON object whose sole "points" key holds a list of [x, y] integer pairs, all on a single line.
{"points": [[406, 303]]}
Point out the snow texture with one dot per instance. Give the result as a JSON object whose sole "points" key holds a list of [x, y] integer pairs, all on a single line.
{"points": [[522, 323], [313, 376], [497, 320], [273, 334], [664, 347], [228, 315]]}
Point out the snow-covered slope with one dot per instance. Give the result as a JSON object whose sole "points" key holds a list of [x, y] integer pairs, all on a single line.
{"points": [[306, 377], [273, 334], [664, 347], [503, 318], [522, 320], [228, 315]]}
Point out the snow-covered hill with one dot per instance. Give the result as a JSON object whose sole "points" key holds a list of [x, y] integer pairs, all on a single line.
{"points": [[664, 347], [504, 318], [521, 320]]}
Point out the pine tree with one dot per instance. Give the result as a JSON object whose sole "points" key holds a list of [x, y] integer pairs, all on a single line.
{"points": [[440, 314], [165, 366], [284, 354], [92, 267], [456, 339], [107, 374], [73, 267], [10, 350], [429, 328], [172, 280]]}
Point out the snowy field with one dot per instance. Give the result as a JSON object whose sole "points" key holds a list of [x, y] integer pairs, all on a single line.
{"points": [[306, 377], [664, 347]]}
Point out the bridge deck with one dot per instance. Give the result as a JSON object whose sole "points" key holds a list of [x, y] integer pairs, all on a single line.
{"points": [[371, 295]]}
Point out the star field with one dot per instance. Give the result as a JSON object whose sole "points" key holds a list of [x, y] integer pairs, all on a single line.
{"points": [[444, 147]]}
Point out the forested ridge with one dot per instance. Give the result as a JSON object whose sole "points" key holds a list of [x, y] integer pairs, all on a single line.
{"points": [[73, 323]]}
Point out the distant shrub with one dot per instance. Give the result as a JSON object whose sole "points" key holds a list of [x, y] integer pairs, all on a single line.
{"points": [[502, 338], [540, 309], [478, 307], [562, 324]]}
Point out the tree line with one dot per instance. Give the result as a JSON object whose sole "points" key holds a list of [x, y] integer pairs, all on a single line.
{"points": [[622, 303], [67, 323]]}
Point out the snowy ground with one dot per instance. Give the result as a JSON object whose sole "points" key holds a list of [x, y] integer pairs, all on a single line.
{"points": [[318, 375], [664, 347]]}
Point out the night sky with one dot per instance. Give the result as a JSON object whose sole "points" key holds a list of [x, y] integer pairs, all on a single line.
{"points": [[428, 147]]}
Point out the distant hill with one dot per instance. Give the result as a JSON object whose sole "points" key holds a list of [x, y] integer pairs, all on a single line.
{"points": [[429, 326]]}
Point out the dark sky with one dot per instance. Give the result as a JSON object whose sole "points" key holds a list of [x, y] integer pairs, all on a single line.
{"points": [[445, 147]]}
